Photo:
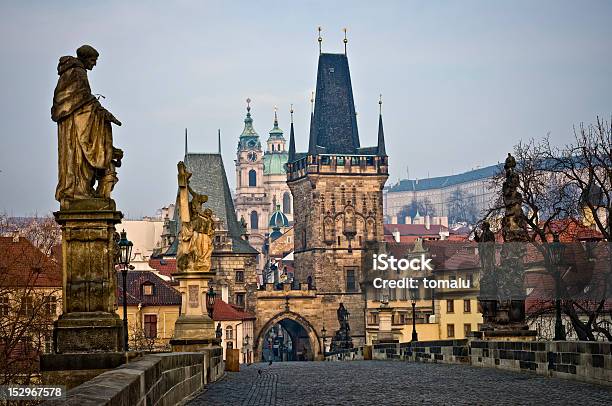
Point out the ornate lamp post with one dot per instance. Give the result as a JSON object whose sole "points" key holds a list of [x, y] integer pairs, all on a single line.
{"points": [[210, 301], [556, 251], [245, 347], [415, 336], [125, 254]]}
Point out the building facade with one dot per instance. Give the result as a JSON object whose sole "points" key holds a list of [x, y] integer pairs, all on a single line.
{"points": [[337, 197], [261, 181]]}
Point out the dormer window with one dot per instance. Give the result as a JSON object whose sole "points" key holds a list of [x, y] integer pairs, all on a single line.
{"points": [[148, 289]]}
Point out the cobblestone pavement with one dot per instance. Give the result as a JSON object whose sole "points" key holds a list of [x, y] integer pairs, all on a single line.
{"points": [[393, 383]]}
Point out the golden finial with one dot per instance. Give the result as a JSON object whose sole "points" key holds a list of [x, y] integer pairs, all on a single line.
{"points": [[380, 104], [345, 40], [320, 40], [248, 100]]}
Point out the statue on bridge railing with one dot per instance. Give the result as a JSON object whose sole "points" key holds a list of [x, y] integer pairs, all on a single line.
{"points": [[342, 339]]}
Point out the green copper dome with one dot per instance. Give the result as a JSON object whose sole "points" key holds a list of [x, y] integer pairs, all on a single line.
{"points": [[278, 219], [274, 163]]}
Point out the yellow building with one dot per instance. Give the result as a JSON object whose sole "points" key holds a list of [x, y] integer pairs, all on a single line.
{"points": [[440, 313], [153, 307]]}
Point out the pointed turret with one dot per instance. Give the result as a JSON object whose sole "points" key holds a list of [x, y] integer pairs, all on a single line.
{"points": [[381, 134], [249, 139], [291, 140]]}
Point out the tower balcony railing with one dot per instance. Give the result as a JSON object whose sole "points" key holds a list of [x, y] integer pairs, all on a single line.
{"points": [[338, 164]]}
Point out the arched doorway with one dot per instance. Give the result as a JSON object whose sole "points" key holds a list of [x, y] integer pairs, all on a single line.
{"points": [[288, 337]]}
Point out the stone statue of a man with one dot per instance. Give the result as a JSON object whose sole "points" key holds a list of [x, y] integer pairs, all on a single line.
{"points": [[87, 158]]}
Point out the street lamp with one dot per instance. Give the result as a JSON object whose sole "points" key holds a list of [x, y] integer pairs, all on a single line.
{"points": [[125, 254], [415, 336], [210, 301], [556, 251], [245, 347]]}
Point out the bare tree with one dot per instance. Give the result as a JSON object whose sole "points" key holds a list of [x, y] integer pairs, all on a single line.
{"points": [[461, 207], [30, 294]]}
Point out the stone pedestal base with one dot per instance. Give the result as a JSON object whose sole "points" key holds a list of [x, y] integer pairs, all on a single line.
{"points": [[194, 327], [89, 332], [72, 370]]}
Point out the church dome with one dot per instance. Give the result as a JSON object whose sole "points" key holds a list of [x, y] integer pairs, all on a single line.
{"points": [[278, 219], [274, 163]]}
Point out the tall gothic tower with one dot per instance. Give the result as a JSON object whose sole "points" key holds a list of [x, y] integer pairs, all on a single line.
{"points": [[337, 196], [251, 201]]}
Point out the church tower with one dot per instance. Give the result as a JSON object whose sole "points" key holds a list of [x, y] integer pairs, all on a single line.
{"points": [[252, 203], [337, 197]]}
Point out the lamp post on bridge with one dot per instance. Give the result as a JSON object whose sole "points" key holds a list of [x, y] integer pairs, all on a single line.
{"points": [[125, 255], [556, 251]]}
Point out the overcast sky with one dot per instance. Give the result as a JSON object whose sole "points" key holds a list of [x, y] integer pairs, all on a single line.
{"points": [[462, 81]]}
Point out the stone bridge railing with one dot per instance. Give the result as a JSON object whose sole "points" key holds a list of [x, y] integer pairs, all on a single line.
{"points": [[155, 379], [577, 360]]}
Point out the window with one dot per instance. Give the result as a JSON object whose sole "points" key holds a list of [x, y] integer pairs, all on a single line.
{"points": [[373, 318], [415, 294], [27, 306], [150, 325], [450, 330], [254, 220], [252, 178], [467, 306], [229, 333], [470, 279], [51, 306], [240, 299], [403, 318], [239, 276], [286, 203], [467, 329], [229, 345], [450, 306], [351, 286], [392, 294], [5, 306], [147, 289]]}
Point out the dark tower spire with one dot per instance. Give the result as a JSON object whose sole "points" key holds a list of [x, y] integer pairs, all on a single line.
{"points": [[381, 134], [334, 127], [185, 142], [291, 157], [320, 40], [312, 142]]}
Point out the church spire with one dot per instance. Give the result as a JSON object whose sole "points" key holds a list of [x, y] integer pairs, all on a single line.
{"points": [[291, 157], [381, 133], [312, 143], [185, 142]]}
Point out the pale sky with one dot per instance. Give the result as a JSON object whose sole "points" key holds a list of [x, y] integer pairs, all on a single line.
{"points": [[462, 81]]}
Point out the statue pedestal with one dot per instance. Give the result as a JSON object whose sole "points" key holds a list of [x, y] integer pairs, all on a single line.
{"points": [[385, 333], [88, 336], [89, 322]]}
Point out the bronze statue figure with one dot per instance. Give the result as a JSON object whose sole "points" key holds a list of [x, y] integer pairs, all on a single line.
{"points": [[87, 157]]}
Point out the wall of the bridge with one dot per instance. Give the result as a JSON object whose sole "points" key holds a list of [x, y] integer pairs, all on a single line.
{"points": [[577, 360], [164, 379]]}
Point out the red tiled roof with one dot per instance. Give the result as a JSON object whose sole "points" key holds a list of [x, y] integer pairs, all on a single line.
{"points": [[163, 293], [164, 266], [22, 264], [226, 312]]}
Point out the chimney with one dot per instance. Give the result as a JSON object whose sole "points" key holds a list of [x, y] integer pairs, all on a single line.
{"points": [[224, 294], [427, 222], [396, 235], [408, 220]]}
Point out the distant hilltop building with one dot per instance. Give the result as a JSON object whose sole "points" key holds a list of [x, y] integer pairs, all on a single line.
{"points": [[462, 198]]}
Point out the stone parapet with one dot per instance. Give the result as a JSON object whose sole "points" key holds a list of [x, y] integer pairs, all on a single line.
{"points": [[577, 360], [164, 379]]}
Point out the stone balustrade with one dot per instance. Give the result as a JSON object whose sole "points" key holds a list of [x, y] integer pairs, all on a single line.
{"points": [[161, 379], [577, 360]]}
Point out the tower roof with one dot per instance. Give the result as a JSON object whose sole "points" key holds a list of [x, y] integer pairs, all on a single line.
{"points": [[276, 132], [278, 219], [334, 125], [249, 137]]}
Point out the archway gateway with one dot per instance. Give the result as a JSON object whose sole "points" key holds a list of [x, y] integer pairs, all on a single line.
{"points": [[306, 344]]}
